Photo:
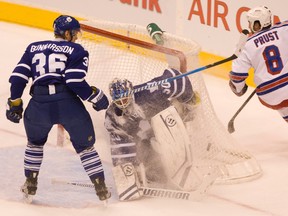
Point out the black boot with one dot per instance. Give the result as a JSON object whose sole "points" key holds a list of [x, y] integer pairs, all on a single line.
{"points": [[30, 185], [101, 189]]}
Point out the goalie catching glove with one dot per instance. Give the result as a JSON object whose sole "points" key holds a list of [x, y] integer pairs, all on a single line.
{"points": [[98, 99], [14, 110]]}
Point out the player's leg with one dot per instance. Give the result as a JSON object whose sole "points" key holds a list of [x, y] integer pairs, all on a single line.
{"points": [[126, 177], [77, 122], [37, 125], [155, 175], [174, 146], [126, 170]]}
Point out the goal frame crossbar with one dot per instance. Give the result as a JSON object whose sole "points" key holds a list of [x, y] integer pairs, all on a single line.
{"points": [[143, 44]]}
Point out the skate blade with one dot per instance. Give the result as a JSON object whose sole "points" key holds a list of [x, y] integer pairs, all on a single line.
{"points": [[27, 198], [105, 203]]}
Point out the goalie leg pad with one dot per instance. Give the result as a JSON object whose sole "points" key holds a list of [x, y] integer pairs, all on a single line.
{"points": [[173, 145], [126, 181]]}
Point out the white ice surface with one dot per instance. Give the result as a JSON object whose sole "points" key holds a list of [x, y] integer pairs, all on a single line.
{"points": [[258, 129]]}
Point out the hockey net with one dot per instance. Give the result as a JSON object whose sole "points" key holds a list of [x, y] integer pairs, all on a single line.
{"points": [[127, 51]]}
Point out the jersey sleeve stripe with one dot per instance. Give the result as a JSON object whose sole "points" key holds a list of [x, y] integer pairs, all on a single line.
{"points": [[75, 70], [174, 82], [238, 77], [182, 87], [75, 80], [15, 74], [24, 65], [177, 83], [272, 85], [123, 145]]}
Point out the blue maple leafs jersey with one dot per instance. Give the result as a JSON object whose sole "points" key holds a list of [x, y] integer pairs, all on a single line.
{"points": [[52, 62], [158, 98], [125, 127]]}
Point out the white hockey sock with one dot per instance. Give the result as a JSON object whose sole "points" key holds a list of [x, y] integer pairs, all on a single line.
{"points": [[91, 163], [33, 158]]}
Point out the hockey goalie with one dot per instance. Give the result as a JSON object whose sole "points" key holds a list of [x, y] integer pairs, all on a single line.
{"points": [[150, 146]]}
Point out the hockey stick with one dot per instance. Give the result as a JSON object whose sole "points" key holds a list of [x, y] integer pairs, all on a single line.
{"points": [[63, 182], [147, 191], [231, 127], [240, 45]]}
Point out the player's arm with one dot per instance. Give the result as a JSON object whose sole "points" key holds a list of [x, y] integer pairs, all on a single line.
{"points": [[239, 74], [18, 79], [20, 76], [183, 90], [75, 74], [180, 89], [185, 98]]}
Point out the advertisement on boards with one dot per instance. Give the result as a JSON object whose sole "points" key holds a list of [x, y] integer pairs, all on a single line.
{"points": [[214, 24]]}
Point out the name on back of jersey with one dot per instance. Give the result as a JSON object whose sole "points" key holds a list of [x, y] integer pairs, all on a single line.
{"points": [[52, 46]]}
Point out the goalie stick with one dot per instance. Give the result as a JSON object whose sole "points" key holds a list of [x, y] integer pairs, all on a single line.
{"points": [[240, 45], [231, 127], [150, 192]]}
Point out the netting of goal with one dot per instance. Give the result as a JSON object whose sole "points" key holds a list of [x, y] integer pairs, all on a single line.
{"points": [[127, 51]]}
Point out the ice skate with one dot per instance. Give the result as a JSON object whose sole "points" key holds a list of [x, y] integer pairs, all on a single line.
{"points": [[29, 188], [101, 190]]}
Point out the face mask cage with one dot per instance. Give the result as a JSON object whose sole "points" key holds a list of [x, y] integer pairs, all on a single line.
{"points": [[123, 103], [118, 88]]}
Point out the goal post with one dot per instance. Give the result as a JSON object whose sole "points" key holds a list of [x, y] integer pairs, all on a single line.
{"points": [[133, 41], [127, 51]]}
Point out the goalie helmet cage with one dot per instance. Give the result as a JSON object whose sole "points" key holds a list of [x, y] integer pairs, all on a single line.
{"points": [[127, 51]]}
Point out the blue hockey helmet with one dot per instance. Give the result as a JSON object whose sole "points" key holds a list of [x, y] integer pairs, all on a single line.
{"points": [[64, 23], [117, 88]]}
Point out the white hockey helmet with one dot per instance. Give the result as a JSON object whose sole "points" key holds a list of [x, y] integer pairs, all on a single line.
{"points": [[117, 88], [259, 14]]}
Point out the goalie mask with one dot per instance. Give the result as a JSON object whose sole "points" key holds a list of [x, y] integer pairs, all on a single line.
{"points": [[118, 87], [262, 15]]}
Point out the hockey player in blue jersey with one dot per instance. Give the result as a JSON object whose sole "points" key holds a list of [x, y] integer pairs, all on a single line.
{"points": [[57, 68], [132, 139]]}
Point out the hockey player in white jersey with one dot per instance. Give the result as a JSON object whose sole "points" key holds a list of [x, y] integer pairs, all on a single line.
{"points": [[132, 124], [266, 51]]}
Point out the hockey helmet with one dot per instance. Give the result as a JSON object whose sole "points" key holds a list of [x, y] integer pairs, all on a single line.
{"points": [[117, 88], [64, 23], [259, 14]]}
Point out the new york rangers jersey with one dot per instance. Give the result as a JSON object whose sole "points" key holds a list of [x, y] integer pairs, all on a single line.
{"points": [[267, 53], [129, 127], [52, 62]]}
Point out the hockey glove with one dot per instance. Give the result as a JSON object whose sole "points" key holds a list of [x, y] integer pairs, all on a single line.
{"points": [[234, 90], [99, 99], [14, 110]]}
